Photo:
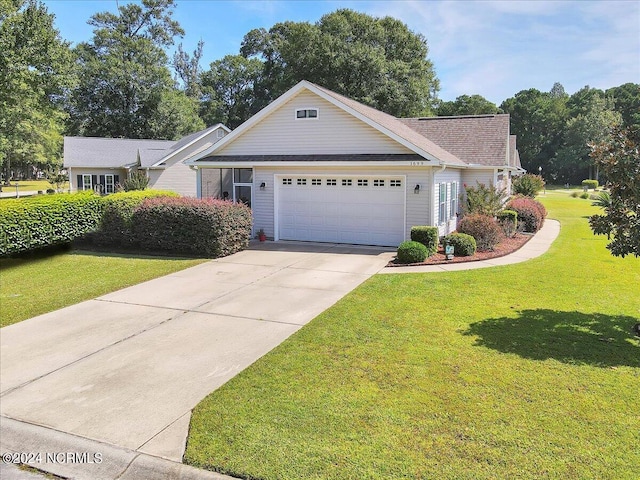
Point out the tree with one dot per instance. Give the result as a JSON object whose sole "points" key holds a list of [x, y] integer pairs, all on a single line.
{"points": [[626, 100], [188, 69], [36, 66], [618, 155], [467, 105], [124, 79], [229, 90], [376, 61]]}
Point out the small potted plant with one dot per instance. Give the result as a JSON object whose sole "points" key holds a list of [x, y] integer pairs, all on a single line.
{"points": [[261, 235]]}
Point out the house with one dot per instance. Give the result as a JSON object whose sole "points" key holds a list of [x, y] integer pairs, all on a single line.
{"points": [[317, 166], [102, 163]]}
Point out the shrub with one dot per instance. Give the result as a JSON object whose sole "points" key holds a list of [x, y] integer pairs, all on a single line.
{"points": [[203, 227], [531, 213], [50, 191], [428, 236], [483, 199], [584, 195], [115, 226], [463, 245], [411, 252], [508, 222], [43, 221], [483, 228], [574, 194], [592, 184], [528, 185], [602, 200], [137, 181]]}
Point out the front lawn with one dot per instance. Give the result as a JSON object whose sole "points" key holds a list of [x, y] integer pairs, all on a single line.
{"points": [[523, 371], [42, 283]]}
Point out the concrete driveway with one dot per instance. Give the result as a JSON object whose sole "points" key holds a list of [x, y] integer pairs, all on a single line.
{"points": [[127, 368]]}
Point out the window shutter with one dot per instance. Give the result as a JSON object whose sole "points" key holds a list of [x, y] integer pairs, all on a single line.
{"points": [[94, 181], [102, 181], [79, 185], [116, 179]]}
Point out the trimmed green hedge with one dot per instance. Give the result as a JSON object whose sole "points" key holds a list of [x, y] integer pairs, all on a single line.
{"points": [[463, 245], [28, 224], [592, 184], [428, 236], [508, 221], [411, 252], [115, 227], [203, 227]]}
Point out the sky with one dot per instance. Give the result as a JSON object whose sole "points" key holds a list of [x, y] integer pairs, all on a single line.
{"points": [[491, 48]]}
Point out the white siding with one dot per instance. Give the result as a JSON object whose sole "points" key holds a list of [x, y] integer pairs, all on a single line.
{"points": [[418, 209], [178, 178], [75, 171], [470, 177], [333, 132], [447, 177]]}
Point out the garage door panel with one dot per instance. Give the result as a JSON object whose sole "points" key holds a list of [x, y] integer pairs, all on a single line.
{"points": [[359, 214]]}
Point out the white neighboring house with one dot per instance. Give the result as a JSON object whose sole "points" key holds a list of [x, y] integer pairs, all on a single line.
{"points": [[317, 166], [101, 164]]}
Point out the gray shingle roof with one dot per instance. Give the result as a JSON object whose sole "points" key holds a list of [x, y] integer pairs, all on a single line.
{"points": [[107, 152], [475, 139]]}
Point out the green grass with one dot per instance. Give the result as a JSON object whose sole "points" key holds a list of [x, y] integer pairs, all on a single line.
{"points": [[30, 186], [45, 282], [523, 371]]}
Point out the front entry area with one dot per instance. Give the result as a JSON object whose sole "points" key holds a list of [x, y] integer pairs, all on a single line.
{"points": [[355, 209]]}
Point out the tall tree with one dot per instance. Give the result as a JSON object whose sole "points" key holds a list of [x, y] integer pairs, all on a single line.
{"points": [[377, 61], [188, 69], [36, 66], [124, 77], [626, 100], [467, 105]]}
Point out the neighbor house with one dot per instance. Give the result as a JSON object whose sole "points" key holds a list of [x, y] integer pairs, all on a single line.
{"points": [[102, 163], [317, 166]]}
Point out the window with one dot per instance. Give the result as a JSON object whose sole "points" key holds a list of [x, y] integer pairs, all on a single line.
{"points": [[332, 182], [454, 200], [220, 133], [306, 113], [242, 175], [378, 183], [86, 182], [346, 182], [109, 184], [363, 182], [301, 181], [286, 181], [395, 183], [316, 181], [442, 211]]}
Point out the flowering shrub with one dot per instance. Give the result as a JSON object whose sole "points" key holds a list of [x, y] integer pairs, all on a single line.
{"points": [[483, 199], [463, 245], [528, 185], [483, 228], [204, 227], [531, 213]]}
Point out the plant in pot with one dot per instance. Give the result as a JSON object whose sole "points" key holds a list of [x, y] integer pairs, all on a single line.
{"points": [[261, 235]]}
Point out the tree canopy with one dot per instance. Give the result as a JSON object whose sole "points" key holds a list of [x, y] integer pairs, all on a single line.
{"points": [[467, 105]]}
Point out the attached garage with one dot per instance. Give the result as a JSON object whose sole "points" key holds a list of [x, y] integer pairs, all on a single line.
{"points": [[357, 209]]}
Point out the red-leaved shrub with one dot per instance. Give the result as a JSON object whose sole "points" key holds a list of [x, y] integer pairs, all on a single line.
{"points": [[483, 228], [531, 213], [204, 227]]}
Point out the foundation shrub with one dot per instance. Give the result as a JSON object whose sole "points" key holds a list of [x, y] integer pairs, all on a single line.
{"points": [[483, 228], [531, 213], [463, 245], [411, 252], [428, 236], [43, 221], [483, 199], [202, 227], [508, 221]]}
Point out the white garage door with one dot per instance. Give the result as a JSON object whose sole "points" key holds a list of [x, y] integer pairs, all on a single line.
{"points": [[364, 210]]}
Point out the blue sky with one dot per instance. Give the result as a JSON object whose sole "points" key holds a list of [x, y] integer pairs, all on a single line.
{"points": [[492, 48]]}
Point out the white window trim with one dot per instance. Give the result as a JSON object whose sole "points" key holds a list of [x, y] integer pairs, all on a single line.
{"points": [[295, 114], [106, 183], [84, 181], [453, 201], [442, 215]]}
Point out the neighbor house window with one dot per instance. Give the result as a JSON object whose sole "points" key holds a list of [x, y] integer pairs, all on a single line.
{"points": [[220, 133], [454, 200], [442, 212], [109, 184], [306, 113], [86, 182]]}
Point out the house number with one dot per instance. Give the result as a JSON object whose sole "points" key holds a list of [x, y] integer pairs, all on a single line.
{"points": [[417, 164]]}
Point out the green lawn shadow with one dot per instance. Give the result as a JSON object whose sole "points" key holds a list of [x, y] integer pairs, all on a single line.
{"points": [[569, 337]]}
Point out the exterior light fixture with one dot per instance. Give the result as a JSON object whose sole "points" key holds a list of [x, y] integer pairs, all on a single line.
{"points": [[263, 186], [417, 189]]}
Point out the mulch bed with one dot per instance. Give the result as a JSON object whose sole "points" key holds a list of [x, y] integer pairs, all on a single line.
{"points": [[507, 246]]}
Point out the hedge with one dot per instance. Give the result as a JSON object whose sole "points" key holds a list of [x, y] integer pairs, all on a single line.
{"points": [[28, 224], [115, 228], [203, 227], [483, 228], [592, 184], [411, 252], [428, 236], [531, 213], [463, 245]]}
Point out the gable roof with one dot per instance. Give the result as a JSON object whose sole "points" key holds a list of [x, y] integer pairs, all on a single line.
{"points": [[384, 123], [107, 152], [476, 139]]}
